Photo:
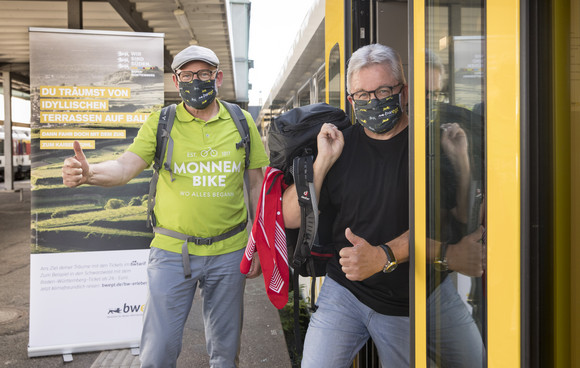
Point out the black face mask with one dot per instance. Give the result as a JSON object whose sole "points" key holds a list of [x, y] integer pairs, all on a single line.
{"points": [[380, 116], [431, 109], [198, 94]]}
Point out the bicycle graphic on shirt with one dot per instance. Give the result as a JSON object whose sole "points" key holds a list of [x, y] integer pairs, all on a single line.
{"points": [[209, 151]]}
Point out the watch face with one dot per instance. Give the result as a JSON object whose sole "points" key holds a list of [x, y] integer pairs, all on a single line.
{"points": [[391, 267], [440, 265]]}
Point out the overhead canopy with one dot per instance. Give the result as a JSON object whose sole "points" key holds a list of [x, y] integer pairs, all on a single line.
{"points": [[208, 23], [303, 61]]}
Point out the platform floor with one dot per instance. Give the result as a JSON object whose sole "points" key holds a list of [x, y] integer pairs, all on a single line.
{"points": [[263, 343]]}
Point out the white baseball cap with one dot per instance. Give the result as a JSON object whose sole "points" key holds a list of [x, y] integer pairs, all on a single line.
{"points": [[193, 53]]}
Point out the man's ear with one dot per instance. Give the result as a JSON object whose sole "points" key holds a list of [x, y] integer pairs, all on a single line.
{"points": [[175, 81], [405, 96], [349, 98], [219, 78]]}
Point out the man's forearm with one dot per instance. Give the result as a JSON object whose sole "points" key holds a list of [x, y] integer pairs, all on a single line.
{"points": [[116, 172], [107, 174], [290, 205], [256, 177], [400, 247]]}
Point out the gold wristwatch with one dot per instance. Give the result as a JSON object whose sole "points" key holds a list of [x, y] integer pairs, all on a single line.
{"points": [[391, 260], [441, 262]]}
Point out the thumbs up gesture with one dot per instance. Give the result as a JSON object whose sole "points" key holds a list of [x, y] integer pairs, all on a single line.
{"points": [[468, 256], [75, 170], [362, 260]]}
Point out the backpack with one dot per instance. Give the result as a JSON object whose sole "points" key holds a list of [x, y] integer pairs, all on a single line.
{"points": [[293, 146], [165, 144]]}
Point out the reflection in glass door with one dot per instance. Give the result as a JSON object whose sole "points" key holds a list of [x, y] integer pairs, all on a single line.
{"points": [[455, 163]]}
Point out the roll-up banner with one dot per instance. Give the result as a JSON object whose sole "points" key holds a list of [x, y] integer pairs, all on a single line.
{"points": [[89, 247]]}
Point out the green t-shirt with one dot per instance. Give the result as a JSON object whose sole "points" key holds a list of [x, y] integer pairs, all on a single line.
{"points": [[206, 197]]}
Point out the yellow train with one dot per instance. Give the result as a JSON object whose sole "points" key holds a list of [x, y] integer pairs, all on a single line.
{"points": [[516, 66]]}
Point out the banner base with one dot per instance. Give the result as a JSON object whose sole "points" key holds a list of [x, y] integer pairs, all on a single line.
{"points": [[67, 350]]}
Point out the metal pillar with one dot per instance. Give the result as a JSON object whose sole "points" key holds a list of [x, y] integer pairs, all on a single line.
{"points": [[75, 14], [8, 160]]}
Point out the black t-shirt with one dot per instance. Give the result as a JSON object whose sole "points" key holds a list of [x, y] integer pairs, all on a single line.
{"points": [[367, 189]]}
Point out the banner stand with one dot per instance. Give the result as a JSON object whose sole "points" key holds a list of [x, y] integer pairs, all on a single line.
{"points": [[89, 245]]}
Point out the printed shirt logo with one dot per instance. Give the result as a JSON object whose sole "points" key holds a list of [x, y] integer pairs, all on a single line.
{"points": [[209, 170]]}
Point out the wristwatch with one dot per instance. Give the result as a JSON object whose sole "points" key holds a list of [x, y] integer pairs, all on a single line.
{"points": [[441, 262], [391, 260]]}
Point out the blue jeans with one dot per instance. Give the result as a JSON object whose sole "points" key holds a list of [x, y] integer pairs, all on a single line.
{"points": [[342, 325], [453, 337], [170, 299]]}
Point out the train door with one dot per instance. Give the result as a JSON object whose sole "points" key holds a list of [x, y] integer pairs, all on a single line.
{"points": [[505, 72], [445, 211], [449, 196]]}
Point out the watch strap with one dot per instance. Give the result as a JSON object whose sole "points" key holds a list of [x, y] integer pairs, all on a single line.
{"points": [[441, 261], [391, 260]]}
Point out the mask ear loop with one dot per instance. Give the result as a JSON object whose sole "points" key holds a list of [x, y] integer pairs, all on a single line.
{"points": [[404, 108], [400, 103]]}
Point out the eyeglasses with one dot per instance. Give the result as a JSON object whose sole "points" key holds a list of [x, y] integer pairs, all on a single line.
{"points": [[437, 96], [202, 75], [361, 98]]}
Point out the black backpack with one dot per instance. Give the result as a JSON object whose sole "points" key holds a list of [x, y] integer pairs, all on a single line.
{"points": [[292, 146]]}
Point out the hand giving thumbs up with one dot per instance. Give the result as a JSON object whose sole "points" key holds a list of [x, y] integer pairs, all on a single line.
{"points": [[75, 170]]}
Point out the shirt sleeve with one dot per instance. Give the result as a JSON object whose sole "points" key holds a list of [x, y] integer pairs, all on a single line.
{"points": [[145, 142]]}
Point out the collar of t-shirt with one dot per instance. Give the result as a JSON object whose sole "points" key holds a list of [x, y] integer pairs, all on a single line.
{"points": [[184, 116]]}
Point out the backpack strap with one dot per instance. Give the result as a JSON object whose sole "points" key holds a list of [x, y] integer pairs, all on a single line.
{"points": [[297, 331], [296, 309], [198, 241], [166, 118], [242, 124], [303, 173]]}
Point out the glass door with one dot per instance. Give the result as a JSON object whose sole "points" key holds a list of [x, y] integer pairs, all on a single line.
{"points": [[455, 183], [466, 185]]}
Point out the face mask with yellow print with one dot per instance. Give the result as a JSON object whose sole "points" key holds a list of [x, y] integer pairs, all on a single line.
{"points": [[380, 116], [198, 94]]}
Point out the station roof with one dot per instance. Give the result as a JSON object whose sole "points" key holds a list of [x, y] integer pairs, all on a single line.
{"points": [[305, 57], [207, 23]]}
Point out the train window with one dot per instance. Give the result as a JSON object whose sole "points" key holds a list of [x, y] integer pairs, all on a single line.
{"points": [[321, 88], [289, 106], [334, 77], [456, 317], [304, 95]]}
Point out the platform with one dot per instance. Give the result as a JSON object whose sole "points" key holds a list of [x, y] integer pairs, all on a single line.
{"points": [[263, 344]]}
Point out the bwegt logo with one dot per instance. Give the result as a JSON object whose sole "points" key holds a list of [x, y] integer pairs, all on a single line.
{"points": [[127, 309]]}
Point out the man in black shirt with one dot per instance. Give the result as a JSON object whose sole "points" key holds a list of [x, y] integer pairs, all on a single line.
{"points": [[362, 180]]}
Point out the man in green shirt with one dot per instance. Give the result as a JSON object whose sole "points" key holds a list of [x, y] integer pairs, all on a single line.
{"points": [[202, 197]]}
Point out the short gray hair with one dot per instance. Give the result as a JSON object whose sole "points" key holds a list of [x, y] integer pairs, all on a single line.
{"points": [[375, 54], [433, 61]]}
